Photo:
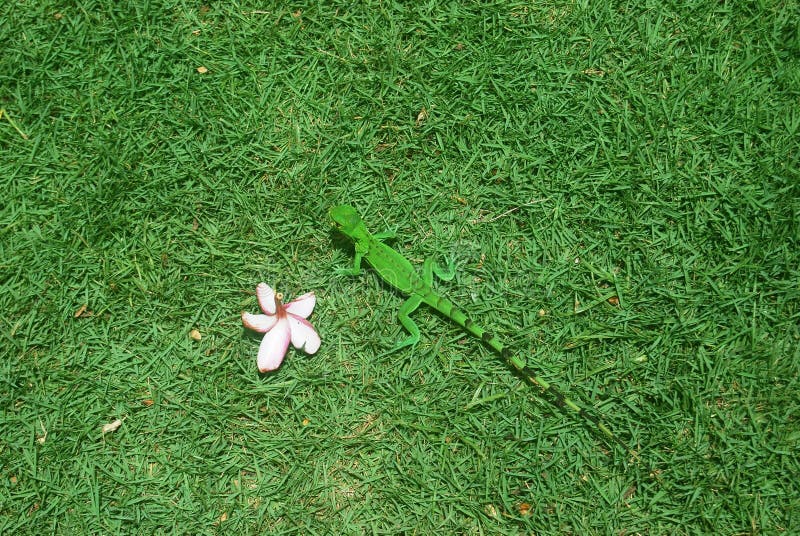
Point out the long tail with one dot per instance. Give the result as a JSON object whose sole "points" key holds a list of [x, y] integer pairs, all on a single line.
{"points": [[446, 307]]}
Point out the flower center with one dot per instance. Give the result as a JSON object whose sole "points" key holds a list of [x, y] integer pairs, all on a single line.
{"points": [[279, 310]]}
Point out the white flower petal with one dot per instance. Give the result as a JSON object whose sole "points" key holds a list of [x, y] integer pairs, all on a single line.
{"points": [[266, 298], [302, 306], [259, 323], [303, 335], [273, 347]]}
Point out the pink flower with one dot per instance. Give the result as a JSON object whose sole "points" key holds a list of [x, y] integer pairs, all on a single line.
{"points": [[282, 324]]}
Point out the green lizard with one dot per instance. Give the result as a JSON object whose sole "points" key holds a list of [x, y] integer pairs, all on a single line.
{"points": [[400, 274]]}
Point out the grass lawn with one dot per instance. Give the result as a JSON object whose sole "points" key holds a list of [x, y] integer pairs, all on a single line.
{"points": [[618, 185]]}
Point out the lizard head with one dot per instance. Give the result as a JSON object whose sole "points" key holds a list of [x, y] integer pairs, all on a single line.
{"points": [[346, 219]]}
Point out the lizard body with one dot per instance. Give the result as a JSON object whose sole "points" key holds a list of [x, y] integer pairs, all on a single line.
{"points": [[398, 272]]}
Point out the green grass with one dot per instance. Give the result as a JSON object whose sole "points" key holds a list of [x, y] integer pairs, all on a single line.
{"points": [[567, 153]]}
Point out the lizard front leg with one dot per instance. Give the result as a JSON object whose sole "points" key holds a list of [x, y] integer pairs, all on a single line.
{"points": [[360, 251], [385, 235]]}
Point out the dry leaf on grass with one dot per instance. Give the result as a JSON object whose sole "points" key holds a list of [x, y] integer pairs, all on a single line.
{"points": [[422, 116], [112, 426], [82, 312]]}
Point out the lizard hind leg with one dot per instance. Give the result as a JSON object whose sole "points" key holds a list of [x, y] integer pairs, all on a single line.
{"points": [[408, 307], [444, 273]]}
